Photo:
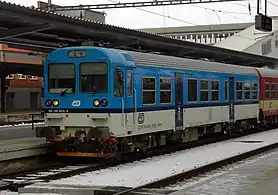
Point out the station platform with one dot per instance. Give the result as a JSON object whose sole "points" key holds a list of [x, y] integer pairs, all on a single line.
{"points": [[23, 147], [14, 151], [19, 117], [255, 176]]}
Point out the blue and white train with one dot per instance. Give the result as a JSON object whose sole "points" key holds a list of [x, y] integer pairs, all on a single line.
{"points": [[100, 102]]}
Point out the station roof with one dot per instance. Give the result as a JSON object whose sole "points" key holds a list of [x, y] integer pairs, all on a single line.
{"points": [[30, 28], [15, 60], [199, 29]]}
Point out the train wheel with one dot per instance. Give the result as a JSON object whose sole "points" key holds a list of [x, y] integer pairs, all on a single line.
{"points": [[118, 156], [227, 131]]}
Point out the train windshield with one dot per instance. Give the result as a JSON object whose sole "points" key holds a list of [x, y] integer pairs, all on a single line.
{"points": [[94, 77], [61, 78]]}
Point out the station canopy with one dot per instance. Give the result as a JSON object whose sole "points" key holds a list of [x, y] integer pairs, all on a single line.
{"points": [[43, 31]]}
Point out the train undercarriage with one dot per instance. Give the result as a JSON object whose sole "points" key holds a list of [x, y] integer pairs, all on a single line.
{"points": [[97, 146]]}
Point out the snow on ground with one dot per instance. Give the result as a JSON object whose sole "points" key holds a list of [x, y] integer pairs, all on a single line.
{"points": [[147, 170], [256, 177], [22, 124], [15, 193], [220, 173]]}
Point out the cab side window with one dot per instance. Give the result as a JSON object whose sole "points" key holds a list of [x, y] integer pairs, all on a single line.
{"points": [[118, 83]]}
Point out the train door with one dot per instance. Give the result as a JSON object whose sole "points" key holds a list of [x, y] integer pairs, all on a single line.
{"points": [[119, 91], [179, 101], [231, 99], [129, 99]]}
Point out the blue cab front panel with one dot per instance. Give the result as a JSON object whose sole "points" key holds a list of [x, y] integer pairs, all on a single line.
{"points": [[85, 100]]}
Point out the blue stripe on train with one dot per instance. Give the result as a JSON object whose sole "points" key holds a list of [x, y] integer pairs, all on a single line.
{"points": [[145, 109]]}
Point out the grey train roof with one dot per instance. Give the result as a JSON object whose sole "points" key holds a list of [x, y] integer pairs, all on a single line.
{"points": [[156, 60], [267, 72]]}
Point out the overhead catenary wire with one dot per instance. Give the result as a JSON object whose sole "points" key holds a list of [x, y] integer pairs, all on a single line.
{"points": [[151, 12], [221, 11], [229, 13], [272, 3], [216, 11]]}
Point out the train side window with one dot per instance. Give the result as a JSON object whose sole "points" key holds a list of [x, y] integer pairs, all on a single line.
{"points": [[118, 83], [254, 90], [273, 90], [267, 91], [214, 90], [165, 90], [204, 90], [226, 90], [149, 90], [192, 90], [129, 83], [239, 90], [247, 90]]}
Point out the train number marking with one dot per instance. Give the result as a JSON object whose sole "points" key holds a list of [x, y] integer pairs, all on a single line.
{"points": [[76, 103]]}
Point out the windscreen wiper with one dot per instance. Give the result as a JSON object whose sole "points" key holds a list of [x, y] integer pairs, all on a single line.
{"points": [[94, 90], [63, 92]]}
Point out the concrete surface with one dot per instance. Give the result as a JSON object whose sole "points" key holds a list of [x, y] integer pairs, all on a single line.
{"points": [[8, 118], [22, 154], [16, 132], [85, 190], [20, 148]]}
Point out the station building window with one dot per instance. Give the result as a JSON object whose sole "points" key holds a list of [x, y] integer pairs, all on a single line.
{"points": [[215, 90], [247, 90], [149, 90], [21, 76], [273, 90], [10, 77], [34, 78], [239, 90], [192, 90], [254, 90], [204, 90], [165, 90], [267, 91]]}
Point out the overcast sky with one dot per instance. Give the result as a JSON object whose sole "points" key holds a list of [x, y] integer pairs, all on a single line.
{"points": [[176, 15]]}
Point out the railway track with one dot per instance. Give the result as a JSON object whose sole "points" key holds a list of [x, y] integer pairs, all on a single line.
{"points": [[22, 179]]}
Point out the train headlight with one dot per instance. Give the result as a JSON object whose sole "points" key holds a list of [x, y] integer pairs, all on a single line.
{"points": [[48, 103], [55, 103], [96, 102], [104, 102]]}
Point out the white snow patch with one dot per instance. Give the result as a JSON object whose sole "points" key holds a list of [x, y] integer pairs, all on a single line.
{"points": [[22, 124], [16, 193], [209, 176], [147, 170]]}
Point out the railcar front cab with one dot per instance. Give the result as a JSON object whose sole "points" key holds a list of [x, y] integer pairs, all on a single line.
{"points": [[81, 94]]}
